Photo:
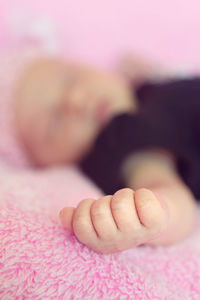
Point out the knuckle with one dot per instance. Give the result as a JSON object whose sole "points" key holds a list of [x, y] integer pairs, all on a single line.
{"points": [[119, 197], [143, 189], [79, 224], [84, 201], [117, 203], [127, 189], [106, 198], [80, 220], [81, 230], [144, 203], [98, 209], [124, 190]]}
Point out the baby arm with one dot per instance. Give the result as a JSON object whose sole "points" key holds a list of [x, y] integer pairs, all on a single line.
{"points": [[156, 171], [150, 211]]}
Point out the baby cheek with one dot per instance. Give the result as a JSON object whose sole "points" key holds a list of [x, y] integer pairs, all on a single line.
{"points": [[72, 140], [80, 143]]}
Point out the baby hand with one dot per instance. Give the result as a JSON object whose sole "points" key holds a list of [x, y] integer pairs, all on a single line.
{"points": [[116, 222]]}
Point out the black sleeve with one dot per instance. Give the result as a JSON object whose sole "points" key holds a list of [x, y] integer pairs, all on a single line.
{"points": [[165, 120], [103, 163]]}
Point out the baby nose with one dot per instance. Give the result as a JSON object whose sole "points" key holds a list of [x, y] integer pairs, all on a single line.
{"points": [[76, 101]]}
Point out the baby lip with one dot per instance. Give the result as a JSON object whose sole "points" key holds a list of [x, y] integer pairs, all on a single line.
{"points": [[103, 112]]}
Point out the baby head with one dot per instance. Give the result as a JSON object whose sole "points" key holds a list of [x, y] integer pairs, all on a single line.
{"points": [[61, 107]]}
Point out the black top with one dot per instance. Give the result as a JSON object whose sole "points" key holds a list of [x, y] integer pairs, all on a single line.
{"points": [[168, 118]]}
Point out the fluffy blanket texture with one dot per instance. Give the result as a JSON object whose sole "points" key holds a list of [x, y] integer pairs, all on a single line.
{"points": [[41, 260]]}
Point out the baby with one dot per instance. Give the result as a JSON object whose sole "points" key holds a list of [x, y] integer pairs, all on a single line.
{"points": [[64, 112]]}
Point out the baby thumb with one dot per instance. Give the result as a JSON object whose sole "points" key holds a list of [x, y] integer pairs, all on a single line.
{"points": [[66, 217]]}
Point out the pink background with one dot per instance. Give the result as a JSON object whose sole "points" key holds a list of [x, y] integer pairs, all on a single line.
{"points": [[100, 30]]}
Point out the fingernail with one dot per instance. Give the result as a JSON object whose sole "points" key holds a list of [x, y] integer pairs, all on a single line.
{"points": [[61, 215]]}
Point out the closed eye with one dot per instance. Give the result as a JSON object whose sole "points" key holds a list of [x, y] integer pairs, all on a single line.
{"points": [[55, 120]]}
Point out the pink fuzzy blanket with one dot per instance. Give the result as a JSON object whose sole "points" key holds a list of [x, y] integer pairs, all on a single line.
{"points": [[41, 260]]}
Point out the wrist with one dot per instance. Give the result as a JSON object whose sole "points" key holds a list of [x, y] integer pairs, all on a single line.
{"points": [[148, 168]]}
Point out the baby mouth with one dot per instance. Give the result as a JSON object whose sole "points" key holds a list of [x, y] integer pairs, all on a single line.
{"points": [[103, 112]]}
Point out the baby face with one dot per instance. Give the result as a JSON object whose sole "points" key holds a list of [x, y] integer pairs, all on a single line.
{"points": [[61, 107]]}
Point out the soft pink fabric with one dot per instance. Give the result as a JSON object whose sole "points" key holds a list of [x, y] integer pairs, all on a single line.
{"points": [[101, 31], [41, 260]]}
